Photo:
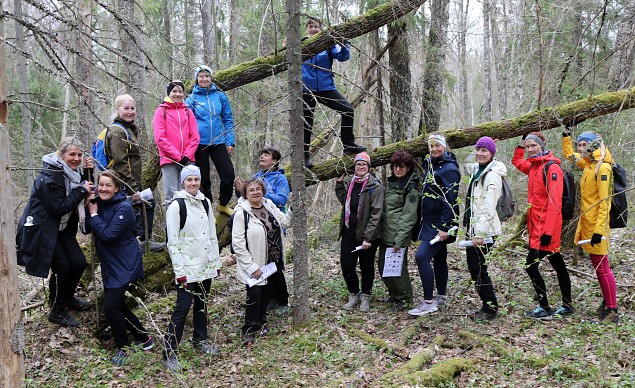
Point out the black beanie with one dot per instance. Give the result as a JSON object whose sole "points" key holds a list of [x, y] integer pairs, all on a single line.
{"points": [[174, 83]]}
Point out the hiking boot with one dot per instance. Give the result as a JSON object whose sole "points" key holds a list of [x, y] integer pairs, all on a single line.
{"points": [[120, 358], [563, 311], [353, 149], [542, 313], [149, 344], [225, 209], [248, 340], [171, 363], [205, 347], [397, 307], [308, 163], [154, 246], [440, 301], [353, 300], [423, 309], [62, 318], [272, 305], [608, 316], [601, 308], [481, 316], [77, 304], [364, 304]]}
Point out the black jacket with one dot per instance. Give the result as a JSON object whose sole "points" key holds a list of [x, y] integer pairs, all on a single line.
{"points": [[47, 204]]}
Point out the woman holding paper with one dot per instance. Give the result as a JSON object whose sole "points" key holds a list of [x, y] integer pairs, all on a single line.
{"points": [[440, 211], [362, 197], [481, 221], [257, 240], [595, 205], [401, 203]]}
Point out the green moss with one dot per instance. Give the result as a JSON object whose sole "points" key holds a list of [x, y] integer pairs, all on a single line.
{"points": [[441, 373]]}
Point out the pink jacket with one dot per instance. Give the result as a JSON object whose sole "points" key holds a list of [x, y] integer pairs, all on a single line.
{"points": [[175, 132]]}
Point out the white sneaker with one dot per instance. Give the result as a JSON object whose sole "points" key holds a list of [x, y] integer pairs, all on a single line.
{"points": [[440, 301], [423, 309]]}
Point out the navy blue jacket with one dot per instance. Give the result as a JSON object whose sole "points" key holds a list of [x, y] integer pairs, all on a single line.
{"points": [[317, 73], [439, 206], [117, 247], [47, 204]]}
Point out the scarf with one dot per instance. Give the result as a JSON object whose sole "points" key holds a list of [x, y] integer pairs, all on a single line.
{"points": [[347, 206], [72, 180]]}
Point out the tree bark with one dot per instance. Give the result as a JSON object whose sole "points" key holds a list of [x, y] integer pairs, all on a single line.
{"points": [[11, 329], [86, 129], [486, 107], [263, 67], [621, 72], [399, 80], [301, 310], [464, 100], [208, 33]]}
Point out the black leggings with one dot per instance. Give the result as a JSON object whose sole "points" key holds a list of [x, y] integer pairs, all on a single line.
{"points": [[68, 264], [334, 100], [224, 167], [121, 319], [555, 258]]}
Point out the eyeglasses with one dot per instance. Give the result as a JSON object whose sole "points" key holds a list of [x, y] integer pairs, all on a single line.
{"points": [[254, 190]]}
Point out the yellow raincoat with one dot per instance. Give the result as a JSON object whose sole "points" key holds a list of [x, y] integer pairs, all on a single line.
{"points": [[596, 193]]}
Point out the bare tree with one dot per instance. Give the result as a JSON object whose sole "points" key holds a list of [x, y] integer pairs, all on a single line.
{"points": [[486, 107], [85, 120], [399, 79], [621, 71], [208, 28]]}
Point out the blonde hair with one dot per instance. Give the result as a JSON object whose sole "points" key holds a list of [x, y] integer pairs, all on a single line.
{"points": [[123, 98], [67, 142]]}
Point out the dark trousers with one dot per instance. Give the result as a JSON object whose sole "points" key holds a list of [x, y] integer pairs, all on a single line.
{"points": [[196, 292], [224, 167], [348, 261], [477, 264], [68, 264], [424, 255], [256, 308], [334, 100], [399, 287], [121, 319], [555, 258], [278, 284], [141, 225]]}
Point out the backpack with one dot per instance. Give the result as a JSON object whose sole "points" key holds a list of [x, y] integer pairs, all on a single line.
{"points": [[619, 208], [230, 225], [568, 190], [506, 204], [102, 161], [183, 210]]}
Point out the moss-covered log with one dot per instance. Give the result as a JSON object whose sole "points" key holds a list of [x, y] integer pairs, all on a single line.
{"points": [[416, 363], [263, 67], [441, 373]]}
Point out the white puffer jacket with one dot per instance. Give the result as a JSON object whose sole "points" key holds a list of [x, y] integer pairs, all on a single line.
{"points": [[486, 190], [251, 254], [193, 249]]}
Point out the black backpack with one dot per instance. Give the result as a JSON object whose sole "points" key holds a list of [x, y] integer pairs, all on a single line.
{"points": [[183, 210], [619, 207], [230, 225], [506, 204], [568, 190]]}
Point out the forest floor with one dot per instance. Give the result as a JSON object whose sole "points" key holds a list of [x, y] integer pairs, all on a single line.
{"points": [[353, 349]]}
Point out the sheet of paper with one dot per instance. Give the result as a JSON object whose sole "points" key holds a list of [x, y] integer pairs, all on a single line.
{"points": [[393, 262], [267, 271]]}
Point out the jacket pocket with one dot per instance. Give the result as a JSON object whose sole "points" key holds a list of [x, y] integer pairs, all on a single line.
{"points": [[29, 239]]}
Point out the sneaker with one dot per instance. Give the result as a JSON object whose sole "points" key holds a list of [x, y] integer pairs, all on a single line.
{"points": [[440, 301], [205, 347], [563, 311], [539, 313], [78, 304], [364, 304], [482, 316], [171, 363], [423, 309], [353, 149], [249, 340], [149, 344], [62, 318], [120, 358], [353, 300], [608, 316]]}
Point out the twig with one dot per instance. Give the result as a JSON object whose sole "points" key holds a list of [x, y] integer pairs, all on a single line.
{"points": [[586, 274], [32, 306], [36, 290]]}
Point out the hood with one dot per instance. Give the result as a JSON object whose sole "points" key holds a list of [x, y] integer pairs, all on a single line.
{"points": [[597, 156], [199, 90], [53, 160], [119, 197], [184, 194], [410, 179], [168, 103], [447, 157]]}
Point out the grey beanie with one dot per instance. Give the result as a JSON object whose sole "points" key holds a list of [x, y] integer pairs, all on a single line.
{"points": [[190, 170]]}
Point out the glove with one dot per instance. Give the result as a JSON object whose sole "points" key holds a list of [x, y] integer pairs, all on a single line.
{"points": [[596, 239], [545, 240], [524, 136], [184, 161], [566, 132]]}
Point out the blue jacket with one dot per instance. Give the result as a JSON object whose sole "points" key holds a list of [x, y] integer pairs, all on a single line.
{"points": [[117, 247], [213, 115], [317, 73], [277, 186], [439, 206]]}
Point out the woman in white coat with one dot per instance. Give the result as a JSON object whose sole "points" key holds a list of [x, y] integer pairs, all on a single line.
{"points": [[194, 252], [482, 222], [257, 240]]}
